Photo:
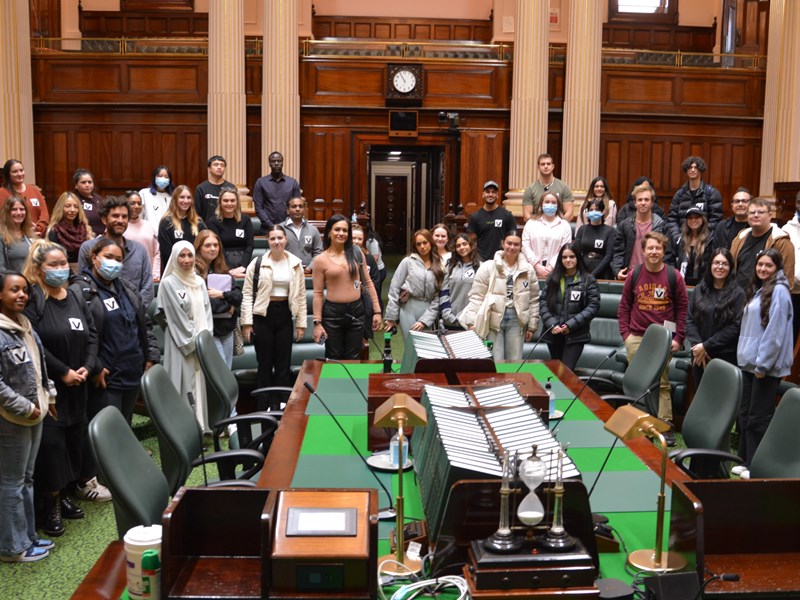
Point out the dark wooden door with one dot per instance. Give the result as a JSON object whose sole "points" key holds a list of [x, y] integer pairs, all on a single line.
{"points": [[391, 212]]}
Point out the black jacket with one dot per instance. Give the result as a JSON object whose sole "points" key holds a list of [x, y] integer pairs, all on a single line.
{"points": [[708, 200], [86, 288], [582, 305], [626, 238]]}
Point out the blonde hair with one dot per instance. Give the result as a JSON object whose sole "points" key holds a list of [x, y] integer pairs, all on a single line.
{"points": [[6, 227], [58, 213], [172, 211], [237, 212], [33, 264]]}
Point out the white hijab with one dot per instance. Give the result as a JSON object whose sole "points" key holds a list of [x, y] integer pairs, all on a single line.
{"points": [[194, 284]]}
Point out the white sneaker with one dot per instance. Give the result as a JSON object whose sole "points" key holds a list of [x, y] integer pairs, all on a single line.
{"points": [[738, 470], [93, 490], [745, 474]]}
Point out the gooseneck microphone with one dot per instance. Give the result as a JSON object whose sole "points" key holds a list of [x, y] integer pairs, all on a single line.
{"points": [[190, 397], [583, 387], [349, 374], [530, 353], [386, 513]]}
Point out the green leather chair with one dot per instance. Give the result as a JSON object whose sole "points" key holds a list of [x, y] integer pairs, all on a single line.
{"points": [[708, 422], [180, 439], [139, 490], [643, 372], [778, 454]]}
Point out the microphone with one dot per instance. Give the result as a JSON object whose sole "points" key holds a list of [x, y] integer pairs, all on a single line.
{"points": [[190, 396], [608, 454], [583, 387], [349, 374], [387, 513], [528, 357]]}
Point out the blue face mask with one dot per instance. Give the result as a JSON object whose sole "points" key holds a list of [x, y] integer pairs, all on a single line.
{"points": [[594, 215], [549, 209], [162, 182], [109, 269], [56, 277]]}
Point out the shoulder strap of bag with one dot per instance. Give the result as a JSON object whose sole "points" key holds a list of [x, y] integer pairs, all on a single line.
{"points": [[257, 274]]}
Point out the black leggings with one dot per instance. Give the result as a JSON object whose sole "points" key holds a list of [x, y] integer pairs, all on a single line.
{"points": [[344, 325], [272, 338], [567, 353]]}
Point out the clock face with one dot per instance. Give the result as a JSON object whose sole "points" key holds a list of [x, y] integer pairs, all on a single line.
{"points": [[404, 81]]}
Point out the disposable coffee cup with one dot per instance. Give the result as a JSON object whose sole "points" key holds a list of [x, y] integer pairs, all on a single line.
{"points": [[137, 540]]}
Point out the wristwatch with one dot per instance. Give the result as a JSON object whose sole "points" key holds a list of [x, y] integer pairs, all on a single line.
{"points": [[317, 322]]}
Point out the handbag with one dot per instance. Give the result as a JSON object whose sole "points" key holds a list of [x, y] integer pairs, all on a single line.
{"points": [[238, 339]]}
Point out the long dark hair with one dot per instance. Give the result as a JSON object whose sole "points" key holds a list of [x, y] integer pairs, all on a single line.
{"points": [[590, 197], [455, 259], [349, 250], [768, 286], [558, 272], [436, 262], [725, 302], [7, 174], [170, 188]]}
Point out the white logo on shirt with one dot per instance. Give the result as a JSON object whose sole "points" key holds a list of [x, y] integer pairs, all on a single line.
{"points": [[240, 233], [659, 293], [34, 202], [87, 206], [701, 205], [575, 296], [469, 273], [19, 356], [181, 294], [308, 239], [76, 324], [111, 304], [598, 244], [178, 234], [498, 222]]}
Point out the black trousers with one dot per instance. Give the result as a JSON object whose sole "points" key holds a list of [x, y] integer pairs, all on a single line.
{"points": [[755, 411], [344, 325], [566, 353], [272, 338]]}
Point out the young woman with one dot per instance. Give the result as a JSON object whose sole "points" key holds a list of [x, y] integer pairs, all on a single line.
{"points": [[140, 230], [459, 274], [415, 283], [66, 328], [90, 201], [69, 226], [598, 190], [715, 314], [339, 272], [184, 299], [156, 197], [372, 266], [26, 396], [126, 344], [694, 246], [504, 301], [14, 185], [570, 301], [180, 222], [764, 352], [274, 309], [441, 237], [225, 297], [235, 232], [544, 234], [596, 241], [16, 234]]}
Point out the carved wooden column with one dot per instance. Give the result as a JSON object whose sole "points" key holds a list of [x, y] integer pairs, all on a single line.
{"points": [[787, 135], [16, 105], [529, 99], [767, 179], [280, 101], [580, 149], [227, 112]]}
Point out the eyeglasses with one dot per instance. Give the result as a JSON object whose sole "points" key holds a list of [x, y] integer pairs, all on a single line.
{"points": [[720, 263]]}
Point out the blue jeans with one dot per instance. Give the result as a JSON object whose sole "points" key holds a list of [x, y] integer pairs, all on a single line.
{"points": [[508, 341], [225, 346], [18, 448]]}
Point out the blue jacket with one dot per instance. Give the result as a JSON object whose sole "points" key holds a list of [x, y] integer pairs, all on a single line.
{"points": [[768, 349]]}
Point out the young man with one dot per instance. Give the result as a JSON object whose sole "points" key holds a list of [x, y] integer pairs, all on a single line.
{"points": [[546, 183], [115, 213], [490, 223], [729, 228], [654, 293], [628, 253], [694, 193], [302, 239], [206, 195], [272, 193], [762, 234]]}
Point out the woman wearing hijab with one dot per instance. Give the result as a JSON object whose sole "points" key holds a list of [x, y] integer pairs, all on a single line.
{"points": [[183, 297]]}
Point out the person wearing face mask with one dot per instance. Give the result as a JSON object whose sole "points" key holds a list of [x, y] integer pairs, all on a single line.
{"points": [[596, 241], [65, 325], [544, 235], [156, 197]]}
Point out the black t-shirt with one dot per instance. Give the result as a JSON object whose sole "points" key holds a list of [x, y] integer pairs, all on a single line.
{"points": [[206, 197], [747, 257], [490, 227]]}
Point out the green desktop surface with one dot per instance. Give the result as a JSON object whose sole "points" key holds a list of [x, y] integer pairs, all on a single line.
{"points": [[626, 492]]}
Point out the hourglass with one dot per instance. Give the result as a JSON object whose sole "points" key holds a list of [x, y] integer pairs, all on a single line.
{"points": [[532, 472]]}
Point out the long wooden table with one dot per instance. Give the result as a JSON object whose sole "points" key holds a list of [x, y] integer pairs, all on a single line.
{"points": [[107, 578]]}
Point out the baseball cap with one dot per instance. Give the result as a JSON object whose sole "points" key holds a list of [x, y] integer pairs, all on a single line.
{"points": [[491, 183], [694, 211]]}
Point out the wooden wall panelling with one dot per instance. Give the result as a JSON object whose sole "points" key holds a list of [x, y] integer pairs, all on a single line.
{"points": [[402, 29], [660, 37], [326, 166], [142, 23], [483, 156]]}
